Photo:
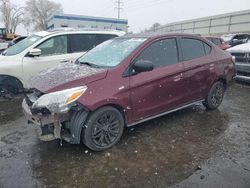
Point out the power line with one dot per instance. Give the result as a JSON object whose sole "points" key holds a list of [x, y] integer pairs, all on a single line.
{"points": [[119, 7]]}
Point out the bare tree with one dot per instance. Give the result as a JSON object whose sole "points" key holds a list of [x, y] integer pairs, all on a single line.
{"points": [[38, 12], [11, 15], [154, 26]]}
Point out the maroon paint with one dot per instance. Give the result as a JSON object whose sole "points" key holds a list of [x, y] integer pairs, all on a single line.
{"points": [[162, 89]]}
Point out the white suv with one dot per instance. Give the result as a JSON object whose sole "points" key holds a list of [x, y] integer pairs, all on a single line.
{"points": [[19, 63]]}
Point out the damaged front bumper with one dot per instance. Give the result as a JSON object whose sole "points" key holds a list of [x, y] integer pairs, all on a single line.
{"points": [[54, 126], [53, 120]]}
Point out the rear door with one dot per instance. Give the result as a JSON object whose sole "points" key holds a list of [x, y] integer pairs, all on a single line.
{"points": [[198, 64], [163, 88]]}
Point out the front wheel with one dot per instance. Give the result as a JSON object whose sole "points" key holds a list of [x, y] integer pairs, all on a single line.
{"points": [[11, 88], [8, 92], [103, 128], [215, 96]]}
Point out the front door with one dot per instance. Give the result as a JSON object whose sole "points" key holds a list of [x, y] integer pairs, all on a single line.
{"points": [[163, 88], [54, 51]]}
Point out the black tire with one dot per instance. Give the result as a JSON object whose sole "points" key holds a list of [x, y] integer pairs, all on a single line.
{"points": [[215, 96], [11, 87], [103, 129], [8, 92]]}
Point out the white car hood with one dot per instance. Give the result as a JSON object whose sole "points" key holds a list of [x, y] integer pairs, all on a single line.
{"points": [[2, 58], [7, 59], [242, 48]]}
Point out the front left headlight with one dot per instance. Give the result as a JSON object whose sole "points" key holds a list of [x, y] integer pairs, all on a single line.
{"points": [[59, 102]]}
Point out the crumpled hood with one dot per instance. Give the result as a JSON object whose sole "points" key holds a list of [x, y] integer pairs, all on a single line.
{"points": [[240, 48], [66, 75]]}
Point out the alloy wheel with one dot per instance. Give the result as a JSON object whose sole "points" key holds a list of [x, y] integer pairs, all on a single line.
{"points": [[106, 129]]}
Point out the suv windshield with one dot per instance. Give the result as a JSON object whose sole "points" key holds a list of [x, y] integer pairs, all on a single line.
{"points": [[22, 45], [111, 52]]}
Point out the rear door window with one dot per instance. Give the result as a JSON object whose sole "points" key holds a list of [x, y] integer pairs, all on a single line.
{"points": [[207, 48], [161, 53], [85, 42], [103, 37], [194, 48]]}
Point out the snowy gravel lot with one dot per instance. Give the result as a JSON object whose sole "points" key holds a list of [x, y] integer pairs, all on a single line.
{"points": [[189, 148]]}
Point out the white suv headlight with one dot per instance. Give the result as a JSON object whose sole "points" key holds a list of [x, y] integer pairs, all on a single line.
{"points": [[58, 102]]}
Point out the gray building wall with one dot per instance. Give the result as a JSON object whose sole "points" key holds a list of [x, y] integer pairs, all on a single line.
{"points": [[79, 21], [235, 22]]}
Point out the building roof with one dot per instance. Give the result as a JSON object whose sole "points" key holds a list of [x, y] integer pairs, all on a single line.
{"points": [[208, 17], [88, 18]]}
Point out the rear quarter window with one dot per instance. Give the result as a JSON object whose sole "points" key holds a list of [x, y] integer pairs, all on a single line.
{"points": [[216, 41]]}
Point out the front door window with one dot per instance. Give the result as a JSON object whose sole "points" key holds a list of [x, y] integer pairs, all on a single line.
{"points": [[54, 46]]}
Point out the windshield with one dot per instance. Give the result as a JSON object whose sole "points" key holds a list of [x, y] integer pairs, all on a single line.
{"points": [[111, 52], [22, 45]]}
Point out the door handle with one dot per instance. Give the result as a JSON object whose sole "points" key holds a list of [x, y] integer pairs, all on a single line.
{"points": [[211, 67], [64, 61], [178, 78]]}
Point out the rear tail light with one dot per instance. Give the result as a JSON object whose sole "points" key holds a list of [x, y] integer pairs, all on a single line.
{"points": [[233, 59]]}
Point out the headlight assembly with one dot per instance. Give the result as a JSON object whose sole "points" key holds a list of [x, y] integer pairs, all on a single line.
{"points": [[59, 102]]}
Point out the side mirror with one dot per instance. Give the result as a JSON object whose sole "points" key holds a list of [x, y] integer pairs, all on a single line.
{"points": [[143, 66], [35, 52]]}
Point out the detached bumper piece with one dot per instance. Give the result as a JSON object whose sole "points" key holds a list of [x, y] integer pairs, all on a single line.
{"points": [[51, 124]]}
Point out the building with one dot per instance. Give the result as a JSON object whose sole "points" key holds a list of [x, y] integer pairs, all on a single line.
{"points": [[80, 21], [235, 22]]}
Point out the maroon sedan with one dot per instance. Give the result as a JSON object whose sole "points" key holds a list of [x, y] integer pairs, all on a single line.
{"points": [[126, 81]]}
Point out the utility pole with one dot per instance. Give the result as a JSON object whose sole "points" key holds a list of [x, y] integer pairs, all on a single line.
{"points": [[119, 7]]}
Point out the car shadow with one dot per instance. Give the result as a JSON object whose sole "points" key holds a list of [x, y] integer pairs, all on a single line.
{"points": [[151, 153]]}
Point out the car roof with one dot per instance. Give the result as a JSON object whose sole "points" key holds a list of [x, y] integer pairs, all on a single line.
{"points": [[79, 31], [211, 37], [158, 35]]}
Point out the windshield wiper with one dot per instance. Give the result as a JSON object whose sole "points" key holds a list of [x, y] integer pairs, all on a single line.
{"points": [[88, 63], [4, 53]]}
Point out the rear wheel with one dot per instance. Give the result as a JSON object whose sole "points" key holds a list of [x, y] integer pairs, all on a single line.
{"points": [[103, 128], [215, 96]]}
